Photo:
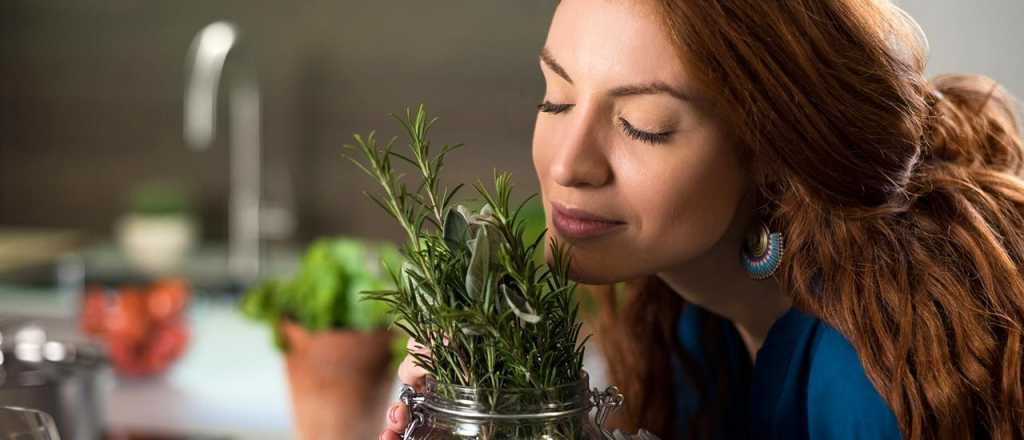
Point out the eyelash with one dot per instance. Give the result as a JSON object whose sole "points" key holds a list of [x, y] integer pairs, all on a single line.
{"points": [[644, 136], [633, 132], [548, 107]]}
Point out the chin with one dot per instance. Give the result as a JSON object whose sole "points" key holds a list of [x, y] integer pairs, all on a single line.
{"points": [[589, 267]]}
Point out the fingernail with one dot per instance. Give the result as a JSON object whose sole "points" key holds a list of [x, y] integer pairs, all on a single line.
{"points": [[393, 414]]}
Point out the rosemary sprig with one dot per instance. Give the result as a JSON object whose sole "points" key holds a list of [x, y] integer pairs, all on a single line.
{"points": [[471, 290]]}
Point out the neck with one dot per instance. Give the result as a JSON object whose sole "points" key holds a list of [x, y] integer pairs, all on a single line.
{"points": [[717, 282]]}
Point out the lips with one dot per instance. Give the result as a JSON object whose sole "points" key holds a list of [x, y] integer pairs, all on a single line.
{"points": [[578, 224]]}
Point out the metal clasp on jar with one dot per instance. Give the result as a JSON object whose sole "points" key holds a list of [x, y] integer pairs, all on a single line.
{"points": [[606, 402], [412, 400]]}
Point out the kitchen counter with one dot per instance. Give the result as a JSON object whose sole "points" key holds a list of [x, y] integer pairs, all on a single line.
{"points": [[229, 383]]}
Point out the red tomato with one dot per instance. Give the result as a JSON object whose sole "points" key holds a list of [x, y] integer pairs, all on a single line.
{"points": [[167, 344], [128, 318], [144, 331], [125, 357], [94, 310], [167, 299]]}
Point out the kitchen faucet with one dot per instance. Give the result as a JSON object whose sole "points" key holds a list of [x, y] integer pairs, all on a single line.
{"points": [[206, 58]]}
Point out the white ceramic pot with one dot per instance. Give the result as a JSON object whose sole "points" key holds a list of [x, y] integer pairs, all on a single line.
{"points": [[156, 244]]}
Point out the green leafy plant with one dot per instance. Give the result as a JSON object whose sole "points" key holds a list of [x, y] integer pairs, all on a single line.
{"points": [[471, 290], [157, 198], [324, 294]]}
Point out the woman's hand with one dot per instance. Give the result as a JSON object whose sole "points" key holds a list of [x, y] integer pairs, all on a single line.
{"points": [[410, 374]]}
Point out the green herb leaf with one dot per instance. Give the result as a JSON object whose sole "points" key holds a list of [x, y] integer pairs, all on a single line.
{"points": [[519, 305], [479, 263], [472, 290], [456, 230], [325, 293]]}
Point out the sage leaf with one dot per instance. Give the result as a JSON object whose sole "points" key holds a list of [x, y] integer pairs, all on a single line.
{"points": [[466, 213], [456, 230], [472, 329], [479, 262], [517, 302], [485, 216]]}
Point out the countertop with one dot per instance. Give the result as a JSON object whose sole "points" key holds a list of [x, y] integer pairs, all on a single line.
{"points": [[229, 383]]}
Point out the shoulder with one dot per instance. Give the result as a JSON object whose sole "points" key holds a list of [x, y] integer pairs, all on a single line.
{"points": [[842, 403]]}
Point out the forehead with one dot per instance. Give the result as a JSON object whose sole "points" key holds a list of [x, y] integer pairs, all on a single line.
{"points": [[612, 40]]}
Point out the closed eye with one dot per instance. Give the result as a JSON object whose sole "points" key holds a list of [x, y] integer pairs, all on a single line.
{"points": [[644, 136], [548, 107]]}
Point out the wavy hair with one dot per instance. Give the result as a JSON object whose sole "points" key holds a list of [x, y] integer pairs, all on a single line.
{"points": [[900, 199]]}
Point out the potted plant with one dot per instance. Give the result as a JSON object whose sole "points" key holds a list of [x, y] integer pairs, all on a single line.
{"points": [[336, 346], [502, 329], [159, 228]]}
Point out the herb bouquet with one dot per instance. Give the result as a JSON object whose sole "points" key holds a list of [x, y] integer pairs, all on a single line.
{"points": [[501, 328]]}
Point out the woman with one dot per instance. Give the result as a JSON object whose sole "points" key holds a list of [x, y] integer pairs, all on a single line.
{"points": [[682, 144]]}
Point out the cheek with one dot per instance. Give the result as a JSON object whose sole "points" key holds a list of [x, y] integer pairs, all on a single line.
{"points": [[541, 153], [545, 144], [680, 200], [542, 144], [685, 204]]}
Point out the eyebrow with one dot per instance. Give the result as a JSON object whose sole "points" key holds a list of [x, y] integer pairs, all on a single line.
{"points": [[652, 88], [547, 58]]}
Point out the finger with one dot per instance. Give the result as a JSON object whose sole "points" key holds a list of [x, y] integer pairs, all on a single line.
{"points": [[411, 374], [398, 418], [415, 347], [389, 435]]}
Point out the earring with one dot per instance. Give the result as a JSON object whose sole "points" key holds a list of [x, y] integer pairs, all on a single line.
{"points": [[762, 252]]}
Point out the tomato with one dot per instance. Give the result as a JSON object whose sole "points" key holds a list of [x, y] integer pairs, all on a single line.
{"points": [[167, 344], [128, 317], [125, 357], [167, 299], [94, 310], [143, 328]]}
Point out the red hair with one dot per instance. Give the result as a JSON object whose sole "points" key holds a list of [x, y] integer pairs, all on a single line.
{"points": [[900, 197]]}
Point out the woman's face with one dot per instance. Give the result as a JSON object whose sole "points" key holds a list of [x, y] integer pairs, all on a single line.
{"points": [[636, 172]]}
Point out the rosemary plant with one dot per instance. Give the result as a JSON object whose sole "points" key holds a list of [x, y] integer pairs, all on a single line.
{"points": [[470, 290]]}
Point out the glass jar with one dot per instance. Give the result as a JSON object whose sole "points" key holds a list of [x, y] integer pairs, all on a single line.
{"points": [[26, 424], [452, 412]]}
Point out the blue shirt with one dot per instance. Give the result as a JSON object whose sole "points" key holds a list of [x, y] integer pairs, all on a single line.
{"points": [[807, 383]]}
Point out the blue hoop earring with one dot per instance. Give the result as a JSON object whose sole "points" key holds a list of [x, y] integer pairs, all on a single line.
{"points": [[762, 252]]}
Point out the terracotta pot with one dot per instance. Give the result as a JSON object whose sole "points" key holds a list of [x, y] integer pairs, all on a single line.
{"points": [[338, 381]]}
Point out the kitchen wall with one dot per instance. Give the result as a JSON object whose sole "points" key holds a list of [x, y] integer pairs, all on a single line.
{"points": [[91, 99], [90, 94]]}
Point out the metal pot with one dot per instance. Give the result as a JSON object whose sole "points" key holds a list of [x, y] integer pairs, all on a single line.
{"points": [[68, 380]]}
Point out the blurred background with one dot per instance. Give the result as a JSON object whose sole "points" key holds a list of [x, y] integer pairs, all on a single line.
{"points": [[100, 187]]}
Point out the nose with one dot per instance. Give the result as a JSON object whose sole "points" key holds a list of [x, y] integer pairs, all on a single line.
{"points": [[581, 159]]}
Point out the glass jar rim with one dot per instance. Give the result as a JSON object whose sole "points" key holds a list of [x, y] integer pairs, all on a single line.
{"points": [[515, 403], [583, 383]]}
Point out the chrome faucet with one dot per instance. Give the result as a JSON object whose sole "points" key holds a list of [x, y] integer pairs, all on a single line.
{"points": [[206, 58]]}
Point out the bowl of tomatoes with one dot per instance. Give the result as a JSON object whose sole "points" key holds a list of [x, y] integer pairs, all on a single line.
{"points": [[142, 325]]}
